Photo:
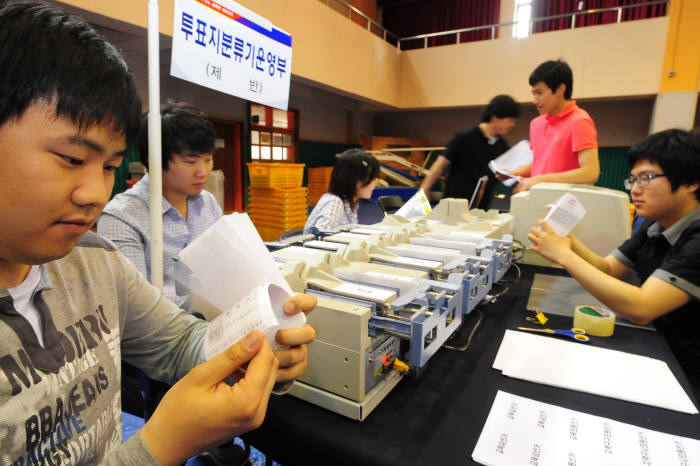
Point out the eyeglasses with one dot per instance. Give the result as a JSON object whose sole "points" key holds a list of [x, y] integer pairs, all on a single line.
{"points": [[641, 180]]}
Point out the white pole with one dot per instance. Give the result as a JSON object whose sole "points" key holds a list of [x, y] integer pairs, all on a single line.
{"points": [[154, 146]]}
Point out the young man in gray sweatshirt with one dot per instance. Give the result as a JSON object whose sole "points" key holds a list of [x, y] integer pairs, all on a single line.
{"points": [[71, 307]]}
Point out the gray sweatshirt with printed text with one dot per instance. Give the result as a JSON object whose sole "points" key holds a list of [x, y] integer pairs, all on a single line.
{"points": [[60, 404]]}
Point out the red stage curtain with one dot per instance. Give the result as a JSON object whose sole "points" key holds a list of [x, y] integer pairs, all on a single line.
{"points": [[428, 16], [542, 8], [559, 7]]}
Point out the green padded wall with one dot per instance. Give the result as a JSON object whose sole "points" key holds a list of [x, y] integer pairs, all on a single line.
{"points": [[613, 167], [122, 173]]}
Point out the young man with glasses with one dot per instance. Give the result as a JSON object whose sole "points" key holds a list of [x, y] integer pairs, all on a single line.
{"points": [[664, 252]]}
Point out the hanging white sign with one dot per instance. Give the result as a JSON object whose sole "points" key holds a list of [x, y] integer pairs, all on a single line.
{"points": [[224, 46]]}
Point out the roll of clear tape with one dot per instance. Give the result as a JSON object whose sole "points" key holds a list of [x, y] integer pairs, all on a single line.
{"points": [[595, 320]]}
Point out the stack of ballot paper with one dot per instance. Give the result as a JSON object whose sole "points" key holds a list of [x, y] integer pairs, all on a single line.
{"points": [[515, 157], [586, 368], [229, 266], [524, 431], [418, 205]]}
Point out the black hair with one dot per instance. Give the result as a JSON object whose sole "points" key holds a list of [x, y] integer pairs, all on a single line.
{"points": [[501, 106], [554, 73], [47, 54], [185, 130], [353, 165], [676, 151]]}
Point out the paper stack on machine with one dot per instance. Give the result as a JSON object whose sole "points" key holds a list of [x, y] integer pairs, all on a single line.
{"points": [[389, 296], [417, 205], [601, 232]]}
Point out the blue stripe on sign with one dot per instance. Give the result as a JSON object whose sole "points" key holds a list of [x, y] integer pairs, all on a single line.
{"points": [[275, 34]]}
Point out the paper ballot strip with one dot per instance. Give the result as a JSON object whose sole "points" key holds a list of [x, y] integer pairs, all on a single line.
{"points": [[261, 309], [227, 263], [521, 431], [590, 369], [565, 214], [418, 205]]}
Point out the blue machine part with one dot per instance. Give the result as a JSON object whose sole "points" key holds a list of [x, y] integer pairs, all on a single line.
{"points": [[501, 251], [476, 274], [426, 316], [403, 192], [429, 315]]}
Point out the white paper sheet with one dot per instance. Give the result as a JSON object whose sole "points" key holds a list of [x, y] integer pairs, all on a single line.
{"points": [[517, 156], [261, 309], [521, 431], [583, 367], [424, 252], [417, 206], [228, 262], [402, 284], [400, 260], [364, 291], [565, 214]]}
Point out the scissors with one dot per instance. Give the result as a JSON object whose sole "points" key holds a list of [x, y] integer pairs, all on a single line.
{"points": [[577, 334]]}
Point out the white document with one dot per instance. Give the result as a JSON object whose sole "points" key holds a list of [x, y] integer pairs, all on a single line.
{"points": [[417, 206], [298, 253], [402, 284], [364, 291], [515, 157], [228, 262], [413, 262], [565, 214], [580, 366], [521, 431], [261, 309]]}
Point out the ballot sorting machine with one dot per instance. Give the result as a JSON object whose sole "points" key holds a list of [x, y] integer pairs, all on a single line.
{"points": [[389, 296]]}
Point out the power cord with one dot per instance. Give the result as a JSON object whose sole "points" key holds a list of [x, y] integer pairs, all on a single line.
{"points": [[518, 247], [517, 278], [471, 334], [492, 298]]}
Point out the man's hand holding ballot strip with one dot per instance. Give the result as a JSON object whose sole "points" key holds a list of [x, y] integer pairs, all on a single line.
{"points": [[230, 266], [601, 276], [206, 393]]}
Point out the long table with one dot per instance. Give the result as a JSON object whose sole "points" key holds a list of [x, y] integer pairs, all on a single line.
{"points": [[436, 419]]}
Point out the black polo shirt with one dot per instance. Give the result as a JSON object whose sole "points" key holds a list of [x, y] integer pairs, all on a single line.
{"points": [[469, 153], [672, 255]]}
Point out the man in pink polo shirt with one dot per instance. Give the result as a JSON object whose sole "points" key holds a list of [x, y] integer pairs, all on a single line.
{"points": [[563, 138]]}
